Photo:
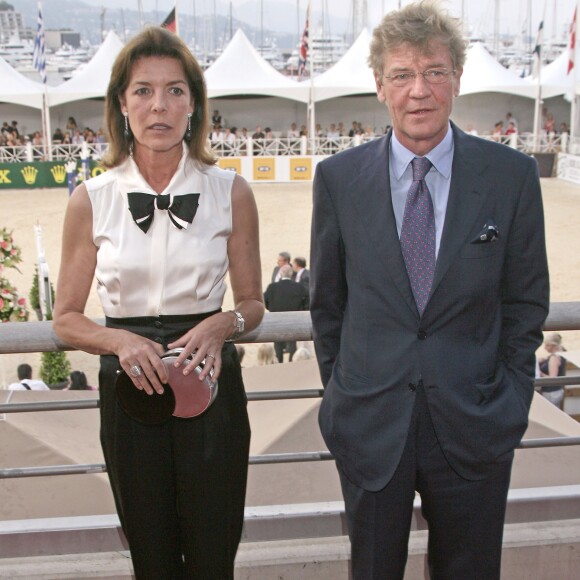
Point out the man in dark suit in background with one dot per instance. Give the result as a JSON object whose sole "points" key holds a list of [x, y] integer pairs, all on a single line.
{"points": [[282, 260], [429, 289], [301, 273], [285, 296]]}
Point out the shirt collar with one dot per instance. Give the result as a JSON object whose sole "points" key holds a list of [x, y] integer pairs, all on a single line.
{"points": [[441, 156]]}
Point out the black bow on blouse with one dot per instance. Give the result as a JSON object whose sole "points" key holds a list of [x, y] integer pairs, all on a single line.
{"points": [[181, 208]]}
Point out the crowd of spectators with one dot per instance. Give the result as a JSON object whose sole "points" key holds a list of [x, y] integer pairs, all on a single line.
{"points": [[10, 136], [228, 138]]}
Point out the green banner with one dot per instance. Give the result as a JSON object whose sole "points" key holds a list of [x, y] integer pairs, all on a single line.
{"points": [[43, 174]]}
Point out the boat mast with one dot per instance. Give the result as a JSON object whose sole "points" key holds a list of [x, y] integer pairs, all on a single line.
{"points": [[496, 30]]}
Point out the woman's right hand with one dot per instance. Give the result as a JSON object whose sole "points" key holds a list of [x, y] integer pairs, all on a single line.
{"points": [[141, 360]]}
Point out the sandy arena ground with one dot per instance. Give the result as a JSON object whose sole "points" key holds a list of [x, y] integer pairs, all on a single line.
{"points": [[285, 211]]}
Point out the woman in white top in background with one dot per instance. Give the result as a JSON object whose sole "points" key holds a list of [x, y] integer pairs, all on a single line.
{"points": [[160, 231]]}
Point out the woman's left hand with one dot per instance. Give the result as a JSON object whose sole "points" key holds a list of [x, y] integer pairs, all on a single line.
{"points": [[205, 341]]}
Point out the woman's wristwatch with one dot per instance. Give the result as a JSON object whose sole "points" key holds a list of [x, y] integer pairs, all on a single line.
{"points": [[240, 324]]}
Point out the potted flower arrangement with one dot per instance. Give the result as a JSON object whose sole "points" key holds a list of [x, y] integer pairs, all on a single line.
{"points": [[10, 254], [12, 305]]}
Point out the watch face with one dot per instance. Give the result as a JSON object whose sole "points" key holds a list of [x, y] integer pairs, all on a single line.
{"points": [[240, 323]]}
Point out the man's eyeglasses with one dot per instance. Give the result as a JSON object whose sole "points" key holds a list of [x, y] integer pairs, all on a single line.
{"points": [[434, 76]]}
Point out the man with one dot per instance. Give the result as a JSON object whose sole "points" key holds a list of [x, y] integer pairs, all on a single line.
{"points": [[285, 296], [428, 294], [25, 381], [293, 132], [301, 274], [283, 259]]}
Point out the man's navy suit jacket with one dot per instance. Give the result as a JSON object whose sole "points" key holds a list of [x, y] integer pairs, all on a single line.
{"points": [[473, 348]]}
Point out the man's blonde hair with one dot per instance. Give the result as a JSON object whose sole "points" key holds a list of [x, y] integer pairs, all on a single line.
{"points": [[418, 24]]}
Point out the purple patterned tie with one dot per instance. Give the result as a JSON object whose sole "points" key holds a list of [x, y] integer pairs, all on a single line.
{"points": [[418, 234]]}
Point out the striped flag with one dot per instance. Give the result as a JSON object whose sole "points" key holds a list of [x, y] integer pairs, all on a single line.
{"points": [[39, 58], [305, 45], [572, 43], [170, 22]]}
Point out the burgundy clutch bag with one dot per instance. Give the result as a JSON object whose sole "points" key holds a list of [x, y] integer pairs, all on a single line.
{"points": [[184, 396]]}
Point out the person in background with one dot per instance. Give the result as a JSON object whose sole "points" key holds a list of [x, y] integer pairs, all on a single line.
{"points": [[282, 260], [162, 254], [25, 380], [425, 334], [302, 354], [58, 135], [15, 131], [293, 132], [78, 382], [511, 128], [241, 352], [216, 119], [266, 355], [553, 365], [285, 296], [301, 274]]}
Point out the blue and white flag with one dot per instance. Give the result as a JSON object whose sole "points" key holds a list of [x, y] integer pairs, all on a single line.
{"points": [[39, 58]]}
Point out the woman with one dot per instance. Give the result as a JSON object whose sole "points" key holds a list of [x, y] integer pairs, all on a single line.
{"points": [[554, 365], [78, 382], [179, 487]]}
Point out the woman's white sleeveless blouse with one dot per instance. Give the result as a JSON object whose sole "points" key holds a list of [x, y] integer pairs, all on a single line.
{"points": [[166, 271]]}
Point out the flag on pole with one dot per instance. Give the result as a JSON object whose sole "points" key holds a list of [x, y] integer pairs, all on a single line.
{"points": [[572, 43], [538, 49], [39, 57], [170, 22], [305, 45]]}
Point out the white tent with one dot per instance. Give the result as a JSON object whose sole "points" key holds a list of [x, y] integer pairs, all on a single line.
{"points": [[483, 74], [351, 75], [15, 88], [91, 81], [555, 78], [240, 70]]}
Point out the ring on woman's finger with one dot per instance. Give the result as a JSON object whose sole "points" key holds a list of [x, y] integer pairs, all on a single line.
{"points": [[135, 371], [211, 355]]}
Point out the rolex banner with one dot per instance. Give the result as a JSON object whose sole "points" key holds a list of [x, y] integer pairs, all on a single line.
{"points": [[42, 174]]}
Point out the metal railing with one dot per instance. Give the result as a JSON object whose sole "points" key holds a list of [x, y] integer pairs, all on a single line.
{"points": [[20, 337], [279, 146]]}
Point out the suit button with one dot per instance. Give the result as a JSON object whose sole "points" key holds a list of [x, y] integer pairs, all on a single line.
{"points": [[158, 339], [421, 335], [158, 324], [412, 387]]}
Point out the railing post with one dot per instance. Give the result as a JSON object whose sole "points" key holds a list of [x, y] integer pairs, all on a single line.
{"points": [[303, 145], [564, 142], [514, 140], [29, 152], [250, 147]]}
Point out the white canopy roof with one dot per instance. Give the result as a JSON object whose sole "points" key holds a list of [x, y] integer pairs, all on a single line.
{"points": [[482, 73], [17, 89], [351, 75], [555, 79], [240, 70], [91, 81]]}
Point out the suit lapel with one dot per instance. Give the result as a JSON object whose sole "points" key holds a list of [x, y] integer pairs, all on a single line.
{"points": [[374, 204], [466, 194]]}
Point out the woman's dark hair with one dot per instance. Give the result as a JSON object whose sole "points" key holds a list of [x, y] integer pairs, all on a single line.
{"points": [[78, 381], [154, 42]]}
